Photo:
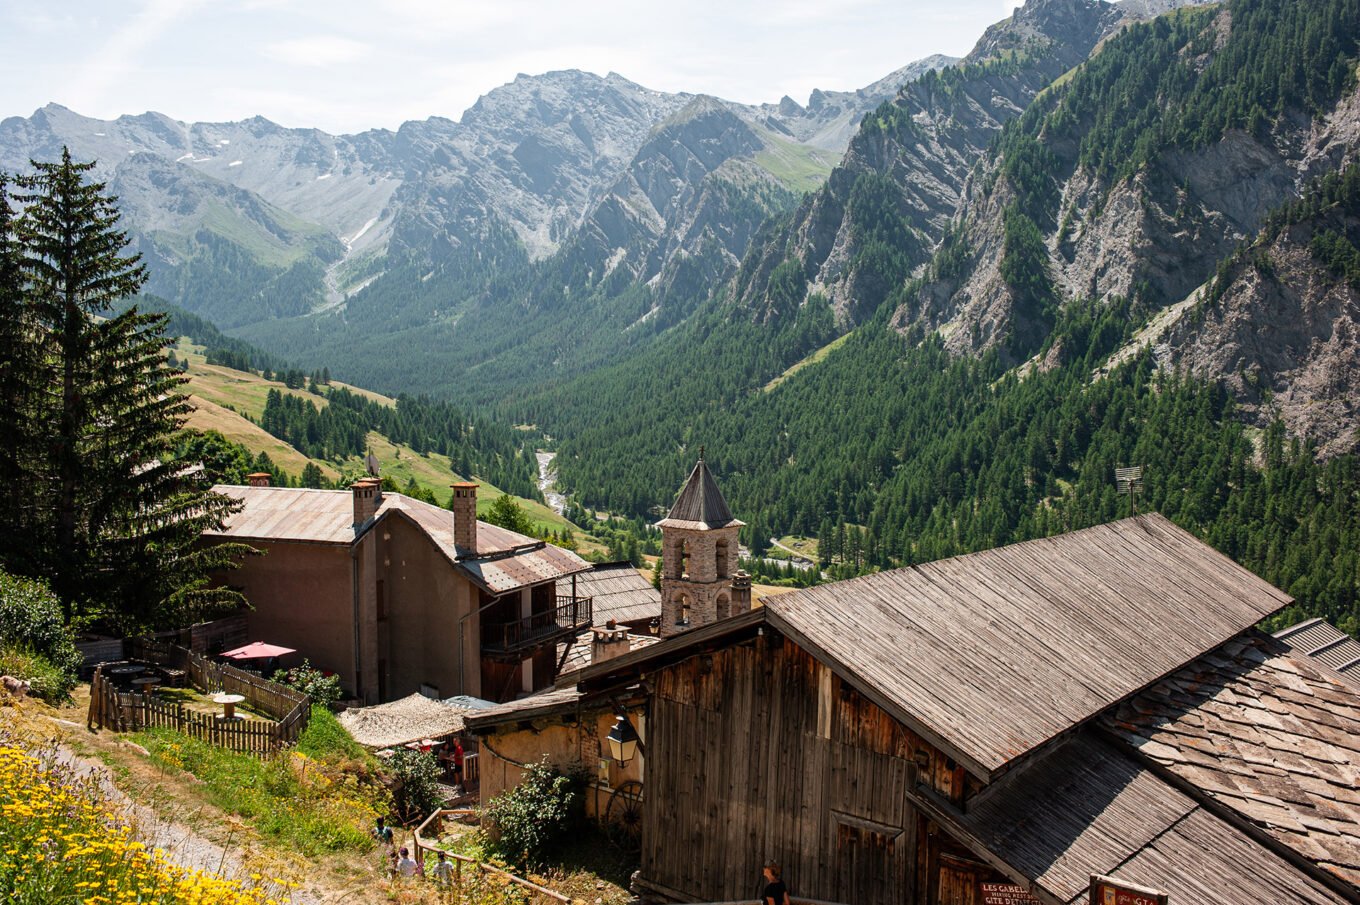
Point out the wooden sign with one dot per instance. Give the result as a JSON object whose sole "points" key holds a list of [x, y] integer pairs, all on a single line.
{"points": [[1006, 894], [1108, 891]]}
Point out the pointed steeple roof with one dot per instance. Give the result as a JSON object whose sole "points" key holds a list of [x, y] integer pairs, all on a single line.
{"points": [[700, 504]]}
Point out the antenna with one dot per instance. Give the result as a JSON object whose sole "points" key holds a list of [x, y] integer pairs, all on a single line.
{"points": [[1129, 480]]}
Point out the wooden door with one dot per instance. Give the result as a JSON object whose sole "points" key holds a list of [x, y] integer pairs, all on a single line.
{"points": [[871, 863], [959, 882]]}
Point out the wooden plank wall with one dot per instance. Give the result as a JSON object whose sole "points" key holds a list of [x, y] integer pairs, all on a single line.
{"points": [[758, 752]]}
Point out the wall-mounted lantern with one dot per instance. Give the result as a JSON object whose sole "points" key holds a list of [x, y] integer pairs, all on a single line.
{"points": [[624, 743]]}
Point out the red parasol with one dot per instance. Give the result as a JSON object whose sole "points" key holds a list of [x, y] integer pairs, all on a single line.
{"points": [[258, 650]]}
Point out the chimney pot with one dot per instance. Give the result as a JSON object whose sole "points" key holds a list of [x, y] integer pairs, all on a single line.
{"points": [[258, 479], [608, 642], [367, 496], [464, 507]]}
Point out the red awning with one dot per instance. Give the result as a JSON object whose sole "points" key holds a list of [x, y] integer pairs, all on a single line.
{"points": [[258, 650]]}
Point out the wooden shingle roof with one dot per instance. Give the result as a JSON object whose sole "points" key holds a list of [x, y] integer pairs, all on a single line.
{"points": [[1087, 807], [700, 503], [1269, 735], [619, 591], [992, 655], [995, 653]]}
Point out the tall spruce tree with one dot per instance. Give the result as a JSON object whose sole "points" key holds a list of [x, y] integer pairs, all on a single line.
{"points": [[117, 516], [18, 367]]}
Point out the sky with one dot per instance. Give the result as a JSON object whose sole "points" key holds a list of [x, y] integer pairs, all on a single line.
{"points": [[347, 66]]}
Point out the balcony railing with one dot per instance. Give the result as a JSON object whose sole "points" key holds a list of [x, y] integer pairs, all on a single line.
{"points": [[571, 615]]}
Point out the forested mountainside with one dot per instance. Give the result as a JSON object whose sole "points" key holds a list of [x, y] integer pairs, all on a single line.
{"points": [[1175, 200], [547, 196]]}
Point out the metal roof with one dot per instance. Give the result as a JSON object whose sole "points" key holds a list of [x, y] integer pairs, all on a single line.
{"points": [[1268, 734], [700, 504], [991, 655], [1086, 808], [620, 592], [1325, 643], [505, 560]]}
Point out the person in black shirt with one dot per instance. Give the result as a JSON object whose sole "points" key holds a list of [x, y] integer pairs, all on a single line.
{"points": [[776, 893]]}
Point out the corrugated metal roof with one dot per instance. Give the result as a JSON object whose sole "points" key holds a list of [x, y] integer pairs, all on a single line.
{"points": [[1269, 734], [1087, 808], [327, 517], [523, 568], [620, 592], [1325, 643], [700, 504]]}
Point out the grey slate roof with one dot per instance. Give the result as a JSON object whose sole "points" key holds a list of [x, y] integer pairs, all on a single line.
{"points": [[1087, 807], [1270, 734], [1325, 643], [700, 504]]}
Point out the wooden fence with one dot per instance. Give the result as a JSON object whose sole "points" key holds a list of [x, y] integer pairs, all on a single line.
{"points": [[129, 712], [469, 874], [279, 701]]}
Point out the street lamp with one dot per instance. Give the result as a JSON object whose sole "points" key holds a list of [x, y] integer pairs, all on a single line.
{"points": [[623, 740]]}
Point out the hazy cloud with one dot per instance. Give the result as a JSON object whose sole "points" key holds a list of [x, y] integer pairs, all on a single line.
{"points": [[318, 50]]}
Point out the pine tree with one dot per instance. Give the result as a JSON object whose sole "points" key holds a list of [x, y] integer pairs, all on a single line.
{"points": [[18, 366], [121, 516]]}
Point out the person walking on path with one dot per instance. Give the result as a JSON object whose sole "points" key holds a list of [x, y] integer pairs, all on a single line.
{"points": [[776, 893], [442, 872], [406, 865]]}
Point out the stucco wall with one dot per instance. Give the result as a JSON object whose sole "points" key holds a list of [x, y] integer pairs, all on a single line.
{"points": [[569, 746], [302, 599]]}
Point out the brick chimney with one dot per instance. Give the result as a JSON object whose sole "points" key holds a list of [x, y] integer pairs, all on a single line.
{"points": [[608, 642], [367, 498], [465, 517], [741, 591], [259, 479]]}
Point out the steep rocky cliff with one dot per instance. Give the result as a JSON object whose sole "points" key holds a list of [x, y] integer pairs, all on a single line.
{"points": [[1143, 205]]}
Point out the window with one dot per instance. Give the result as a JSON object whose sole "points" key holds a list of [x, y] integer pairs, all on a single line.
{"points": [[682, 615], [684, 561], [721, 556]]}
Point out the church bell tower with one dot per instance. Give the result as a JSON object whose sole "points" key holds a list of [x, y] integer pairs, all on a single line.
{"points": [[699, 556]]}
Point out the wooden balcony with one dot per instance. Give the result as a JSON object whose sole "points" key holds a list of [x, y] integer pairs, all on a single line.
{"points": [[518, 638]]}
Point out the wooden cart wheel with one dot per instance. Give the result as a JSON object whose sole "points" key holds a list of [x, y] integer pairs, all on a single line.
{"points": [[623, 816]]}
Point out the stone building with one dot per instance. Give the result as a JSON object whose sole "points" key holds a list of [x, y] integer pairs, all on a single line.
{"points": [[699, 555]]}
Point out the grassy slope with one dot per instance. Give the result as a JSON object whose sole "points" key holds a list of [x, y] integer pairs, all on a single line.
{"points": [[799, 167], [223, 396], [812, 359]]}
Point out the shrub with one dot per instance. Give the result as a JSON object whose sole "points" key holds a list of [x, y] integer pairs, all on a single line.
{"points": [[417, 783], [46, 681], [323, 688], [34, 639], [527, 822]]}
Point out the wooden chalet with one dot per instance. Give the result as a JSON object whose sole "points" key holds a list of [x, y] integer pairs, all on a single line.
{"points": [[398, 596], [1000, 727]]}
